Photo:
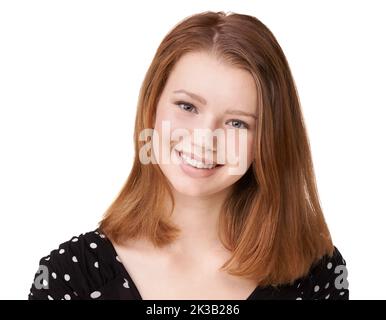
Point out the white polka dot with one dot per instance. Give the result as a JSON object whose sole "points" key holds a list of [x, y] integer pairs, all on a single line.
{"points": [[329, 265], [67, 277], [118, 259], [74, 259], [95, 294], [327, 285], [74, 240], [299, 298], [327, 296], [53, 275], [96, 232], [298, 286], [316, 288], [45, 283], [67, 297], [342, 293], [61, 251], [75, 293], [102, 236], [96, 264], [50, 298], [93, 245], [48, 258], [126, 284]]}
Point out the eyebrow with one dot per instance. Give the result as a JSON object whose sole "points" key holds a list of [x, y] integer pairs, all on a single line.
{"points": [[203, 101], [240, 113], [192, 95]]}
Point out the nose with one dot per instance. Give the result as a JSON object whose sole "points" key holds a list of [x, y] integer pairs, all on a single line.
{"points": [[204, 132], [206, 135]]}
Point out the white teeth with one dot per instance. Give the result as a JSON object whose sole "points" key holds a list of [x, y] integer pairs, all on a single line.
{"points": [[195, 163]]}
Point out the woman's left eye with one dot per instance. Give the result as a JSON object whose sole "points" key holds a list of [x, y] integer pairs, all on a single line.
{"points": [[238, 124]]}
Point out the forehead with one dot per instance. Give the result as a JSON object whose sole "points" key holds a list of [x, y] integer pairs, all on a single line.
{"points": [[217, 82]]}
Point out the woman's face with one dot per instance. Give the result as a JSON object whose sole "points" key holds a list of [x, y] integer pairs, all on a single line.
{"points": [[202, 95]]}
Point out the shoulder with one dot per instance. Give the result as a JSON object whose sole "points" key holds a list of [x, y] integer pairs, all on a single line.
{"points": [[75, 269], [327, 278]]}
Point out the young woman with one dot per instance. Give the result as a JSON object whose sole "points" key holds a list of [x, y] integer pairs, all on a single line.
{"points": [[192, 228]]}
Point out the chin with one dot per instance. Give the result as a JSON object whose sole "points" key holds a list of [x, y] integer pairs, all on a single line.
{"points": [[195, 188], [189, 188], [187, 185]]}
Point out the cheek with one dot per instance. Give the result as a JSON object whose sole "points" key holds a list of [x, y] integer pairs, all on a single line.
{"points": [[172, 126], [163, 121], [161, 115], [243, 146], [175, 120], [250, 149], [166, 122]]}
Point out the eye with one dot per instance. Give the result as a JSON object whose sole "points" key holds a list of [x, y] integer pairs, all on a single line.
{"points": [[238, 124], [186, 106]]}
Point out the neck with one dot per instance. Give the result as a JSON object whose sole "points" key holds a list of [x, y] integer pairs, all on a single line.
{"points": [[197, 217]]}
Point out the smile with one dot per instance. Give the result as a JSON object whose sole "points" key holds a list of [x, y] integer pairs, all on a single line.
{"points": [[195, 163], [195, 168]]}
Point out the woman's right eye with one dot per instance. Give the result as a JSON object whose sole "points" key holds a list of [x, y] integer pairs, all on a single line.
{"points": [[186, 106]]}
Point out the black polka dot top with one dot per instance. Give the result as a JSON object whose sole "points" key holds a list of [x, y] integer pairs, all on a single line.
{"points": [[88, 267]]}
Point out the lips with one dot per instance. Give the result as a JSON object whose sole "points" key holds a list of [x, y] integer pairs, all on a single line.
{"points": [[198, 161], [194, 172], [196, 164]]}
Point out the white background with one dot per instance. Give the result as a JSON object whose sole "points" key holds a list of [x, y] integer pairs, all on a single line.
{"points": [[70, 73]]}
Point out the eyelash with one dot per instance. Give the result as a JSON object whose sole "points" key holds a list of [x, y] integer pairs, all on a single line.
{"points": [[178, 103]]}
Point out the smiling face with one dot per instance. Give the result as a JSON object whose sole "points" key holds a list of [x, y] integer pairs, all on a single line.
{"points": [[204, 93]]}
